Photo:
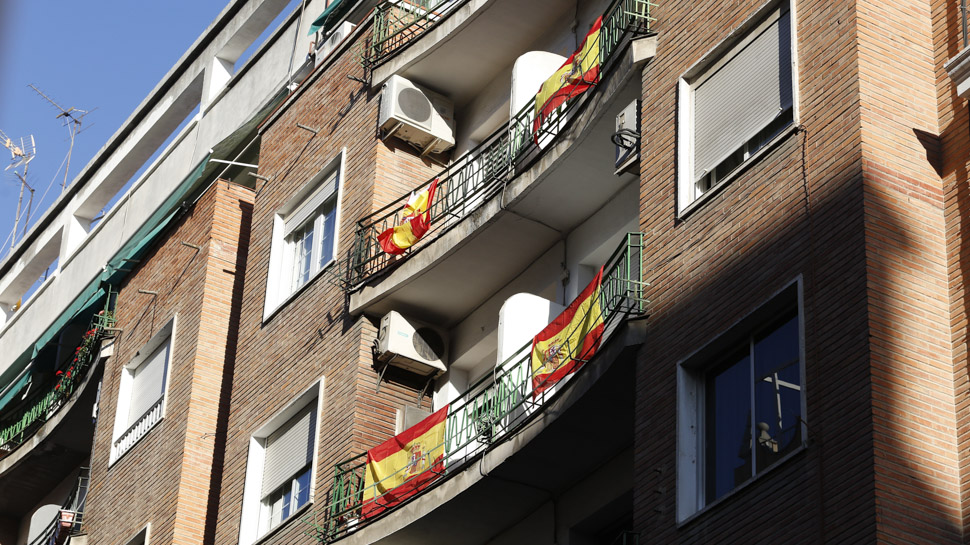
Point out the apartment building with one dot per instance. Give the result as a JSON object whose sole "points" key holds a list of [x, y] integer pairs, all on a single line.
{"points": [[593, 272]]}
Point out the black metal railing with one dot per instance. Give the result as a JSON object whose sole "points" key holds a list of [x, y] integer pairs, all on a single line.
{"points": [[495, 407], [480, 173]]}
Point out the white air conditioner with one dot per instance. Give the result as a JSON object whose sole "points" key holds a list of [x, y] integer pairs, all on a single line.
{"points": [[627, 138], [411, 345], [416, 115], [326, 47]]}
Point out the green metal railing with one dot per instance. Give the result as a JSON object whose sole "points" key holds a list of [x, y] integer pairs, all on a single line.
{"points": [[482, 172], [21, 423], [399, 22], [492, 409]]}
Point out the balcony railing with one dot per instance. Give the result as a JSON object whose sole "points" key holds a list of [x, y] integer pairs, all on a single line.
{"points": [[482, 172], [398, 22], [495, 407], [17, 426], [138, 429], [70, 518]]}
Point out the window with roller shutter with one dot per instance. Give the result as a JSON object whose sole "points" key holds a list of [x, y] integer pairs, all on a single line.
{"points": [[280, 467], [735, 105]]}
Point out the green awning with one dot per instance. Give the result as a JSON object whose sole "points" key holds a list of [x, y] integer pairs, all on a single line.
{"points": [[330, 16], [117, 268]]}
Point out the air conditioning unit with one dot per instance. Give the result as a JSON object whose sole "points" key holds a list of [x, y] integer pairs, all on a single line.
{"points": [[411, 345], [326, 47], [627, 138], [416, 115]]}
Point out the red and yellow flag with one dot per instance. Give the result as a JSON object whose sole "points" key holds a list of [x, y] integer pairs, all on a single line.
{"points": [[580, 72], [570, 340], [405, 464], [414, 223]]}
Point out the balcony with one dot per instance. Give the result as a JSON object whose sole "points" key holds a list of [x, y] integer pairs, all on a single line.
{"points": [[19, 424], [48, 433], [506, 422], [68, 524], [495, 200], [432, 45]]}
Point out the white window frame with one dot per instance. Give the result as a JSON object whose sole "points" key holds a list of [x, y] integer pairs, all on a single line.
{"points": [[279, 283], [250, 529], [165, 334], [688, 197], [691, 378]]}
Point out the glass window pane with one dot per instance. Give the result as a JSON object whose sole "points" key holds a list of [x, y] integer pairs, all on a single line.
{"points": [[327, 237], [301, 494], [728, 427], [303, 248], [777, 393]]}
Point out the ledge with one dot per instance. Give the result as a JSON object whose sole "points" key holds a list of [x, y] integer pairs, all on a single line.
{"points": [[959, 69]]}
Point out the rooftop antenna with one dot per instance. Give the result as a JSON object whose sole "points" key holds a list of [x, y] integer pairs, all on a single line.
{"points": [[20, 156], [72, 120]]}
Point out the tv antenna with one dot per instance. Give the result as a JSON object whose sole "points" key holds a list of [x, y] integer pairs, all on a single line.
{"points": [[72, 120], [20, 155]]}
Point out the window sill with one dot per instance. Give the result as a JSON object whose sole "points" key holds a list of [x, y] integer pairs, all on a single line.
{"points": [[755, 158], [284, 523], [742, 487], [270, 312]]}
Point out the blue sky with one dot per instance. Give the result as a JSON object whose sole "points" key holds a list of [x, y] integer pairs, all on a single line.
{"points": [[101, 56]]}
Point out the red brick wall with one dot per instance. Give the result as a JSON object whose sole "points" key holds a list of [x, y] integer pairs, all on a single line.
{"points": [[795, 212], [954, 141], [312, 336], [164, 479], [917, 485]]}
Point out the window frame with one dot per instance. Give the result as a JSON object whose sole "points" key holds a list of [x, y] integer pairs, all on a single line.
{"points": [[687, 200], [166, 333], [251, 528], [692, 375], [280, 288]]}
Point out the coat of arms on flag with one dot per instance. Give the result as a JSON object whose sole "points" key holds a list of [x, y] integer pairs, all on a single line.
{"points": [[415, 222], [570, 340], [405, 464], [580, 72]]}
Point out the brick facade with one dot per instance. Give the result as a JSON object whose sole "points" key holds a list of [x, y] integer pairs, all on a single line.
{"points": [[311, 336], [166, 478], [861, 203]]}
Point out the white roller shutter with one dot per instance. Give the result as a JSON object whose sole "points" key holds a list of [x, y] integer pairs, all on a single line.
{"points": [[298, 217], [743, 95], [148, 382], [288, 449]]}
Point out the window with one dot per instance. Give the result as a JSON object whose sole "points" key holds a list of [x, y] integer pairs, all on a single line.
{"points": [[141, 394], [279, 477], [304, 236], [141, 538], [741, 404], [733, 104], [287, 455]]}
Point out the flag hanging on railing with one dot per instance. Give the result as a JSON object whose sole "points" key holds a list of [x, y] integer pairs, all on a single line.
{"points": [[414, 223], [570, 340], [580, 72], [405, 464]]}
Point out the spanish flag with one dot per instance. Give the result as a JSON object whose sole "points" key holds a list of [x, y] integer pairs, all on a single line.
{"points": [[405, 464], [415, 222], [580, 72], [570, 340]]}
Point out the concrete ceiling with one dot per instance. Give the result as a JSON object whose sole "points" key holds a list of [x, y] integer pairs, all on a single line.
{"points": [[446, 68]]}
